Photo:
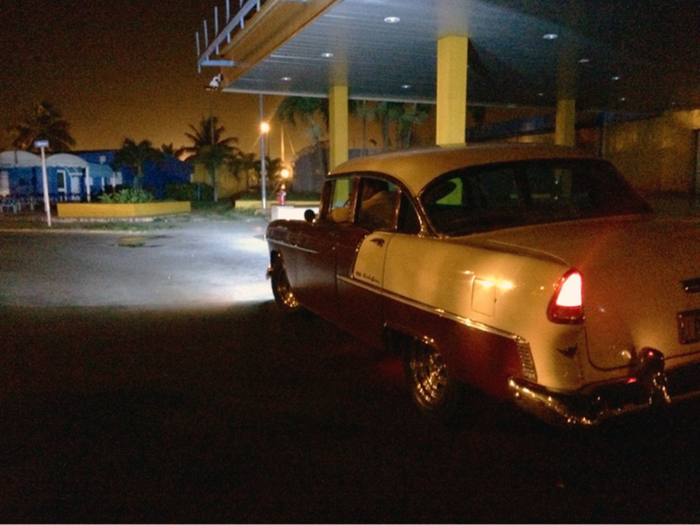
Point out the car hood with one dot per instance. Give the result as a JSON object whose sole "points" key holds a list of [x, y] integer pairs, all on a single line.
{"points": [[635, 269]]}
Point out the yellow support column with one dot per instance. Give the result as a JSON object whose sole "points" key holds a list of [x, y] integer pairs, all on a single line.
{"points": [[338, 115], [565, 131], [451, 90]]}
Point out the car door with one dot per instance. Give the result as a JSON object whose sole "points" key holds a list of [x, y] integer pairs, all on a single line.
{"points": [[360, 255], [315, 277]]}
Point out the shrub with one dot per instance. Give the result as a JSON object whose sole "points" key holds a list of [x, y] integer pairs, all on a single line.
{"points": [[192, 192], [126, 196]]}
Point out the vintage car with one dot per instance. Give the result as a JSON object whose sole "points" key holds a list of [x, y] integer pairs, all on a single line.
{"points": [[533, 273]]}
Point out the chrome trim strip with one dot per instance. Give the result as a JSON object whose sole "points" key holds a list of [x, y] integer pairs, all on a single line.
{"points": [[456, 318], [290, 245], [435, 311], [354, 282]]}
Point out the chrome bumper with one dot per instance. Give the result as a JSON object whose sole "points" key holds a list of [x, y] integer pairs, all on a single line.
{"points": [[646, 387]]}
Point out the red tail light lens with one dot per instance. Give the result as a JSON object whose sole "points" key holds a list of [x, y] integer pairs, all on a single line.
{"points": [[566, 306]]}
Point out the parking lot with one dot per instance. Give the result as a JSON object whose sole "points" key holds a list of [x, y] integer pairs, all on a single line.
{"points": [[154, 380]]}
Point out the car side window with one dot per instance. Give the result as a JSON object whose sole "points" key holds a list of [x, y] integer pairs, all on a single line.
{"points": [[339, 199], [527, 192], [475, 199], [377, 204]]}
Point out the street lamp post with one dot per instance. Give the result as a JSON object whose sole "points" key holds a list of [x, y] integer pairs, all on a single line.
{"points": [[264, 129], [42, 145], [212, 88]]}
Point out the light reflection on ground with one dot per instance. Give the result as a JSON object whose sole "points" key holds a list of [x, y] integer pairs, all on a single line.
{"points": [[196, 264]]}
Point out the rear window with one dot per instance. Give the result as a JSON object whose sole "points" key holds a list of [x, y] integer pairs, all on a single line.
{"points": [[523, 193]]}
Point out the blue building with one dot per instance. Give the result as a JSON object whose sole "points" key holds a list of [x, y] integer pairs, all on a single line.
{"points": [[20, 173], [81, 176]]}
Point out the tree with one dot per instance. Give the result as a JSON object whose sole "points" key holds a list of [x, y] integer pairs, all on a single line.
{"points": [[402, 119], [168, 150], [413, 115], [211, 149], [273, 169], [388, 113], [135, 156], [365, 113], [42, 122], [245, 163], [307, 110]]}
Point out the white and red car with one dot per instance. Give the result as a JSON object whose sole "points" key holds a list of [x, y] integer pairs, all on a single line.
{"points": [[533, 273]]}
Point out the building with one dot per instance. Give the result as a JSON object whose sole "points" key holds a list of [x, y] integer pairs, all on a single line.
{"points": [[82, 175]]}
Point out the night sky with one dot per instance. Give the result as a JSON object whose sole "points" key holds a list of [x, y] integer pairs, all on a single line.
{"points": [[120, 69]]}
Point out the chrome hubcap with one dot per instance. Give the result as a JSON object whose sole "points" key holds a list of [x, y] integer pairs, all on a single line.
{"points": [[429, 375], [284, 289]]}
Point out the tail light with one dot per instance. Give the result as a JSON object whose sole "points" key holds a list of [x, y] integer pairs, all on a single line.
{"points": [[566, 306]]}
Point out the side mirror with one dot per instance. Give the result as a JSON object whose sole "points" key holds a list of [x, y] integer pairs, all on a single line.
{"points": [[309, 215]]}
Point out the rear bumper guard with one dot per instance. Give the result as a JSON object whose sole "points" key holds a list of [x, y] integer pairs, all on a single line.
{"points": [[646, 387]]}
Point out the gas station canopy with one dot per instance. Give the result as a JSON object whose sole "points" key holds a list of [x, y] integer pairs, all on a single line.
{"points": [[613, 55]]}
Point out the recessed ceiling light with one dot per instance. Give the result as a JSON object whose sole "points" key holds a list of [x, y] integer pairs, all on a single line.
{"points": [[392, 20], [550, 36], [327, 55], [615, 78], [406, 86], [584, 61], [286, 79]]}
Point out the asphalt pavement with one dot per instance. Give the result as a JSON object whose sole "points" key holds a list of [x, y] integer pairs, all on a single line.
{"points": [[177, 262]]}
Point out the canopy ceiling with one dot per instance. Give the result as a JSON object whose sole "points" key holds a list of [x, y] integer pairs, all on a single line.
{"points": [[641, 55]]}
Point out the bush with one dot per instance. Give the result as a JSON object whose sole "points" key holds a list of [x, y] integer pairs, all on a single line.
{"points": [[191, 192], [126, 196]]}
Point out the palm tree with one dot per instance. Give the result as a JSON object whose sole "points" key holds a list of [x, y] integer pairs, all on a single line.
{"points": [[42, 122], [365, 113], [135, 156], [210, 149], [244, 164], [168, 150], [306, 110], [413, 115], [273, 168], [388, 113]]}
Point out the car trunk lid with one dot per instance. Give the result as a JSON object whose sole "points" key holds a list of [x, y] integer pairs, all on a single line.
{"points": [[641, 280]]}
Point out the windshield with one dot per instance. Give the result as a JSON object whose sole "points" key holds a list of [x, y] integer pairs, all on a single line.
{"points": [[529, 192]]}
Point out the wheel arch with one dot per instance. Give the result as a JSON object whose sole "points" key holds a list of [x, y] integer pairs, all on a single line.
{"points": [[480, 358]]}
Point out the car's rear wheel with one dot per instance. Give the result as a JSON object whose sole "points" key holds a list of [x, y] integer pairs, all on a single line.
{"points": [[281, 288], [434, 389]]}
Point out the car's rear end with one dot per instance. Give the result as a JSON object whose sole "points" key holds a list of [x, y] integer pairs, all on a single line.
{"points": [[636, 296]]}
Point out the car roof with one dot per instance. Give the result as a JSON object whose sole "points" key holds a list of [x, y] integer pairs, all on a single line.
{"points": [[417, 167]]}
